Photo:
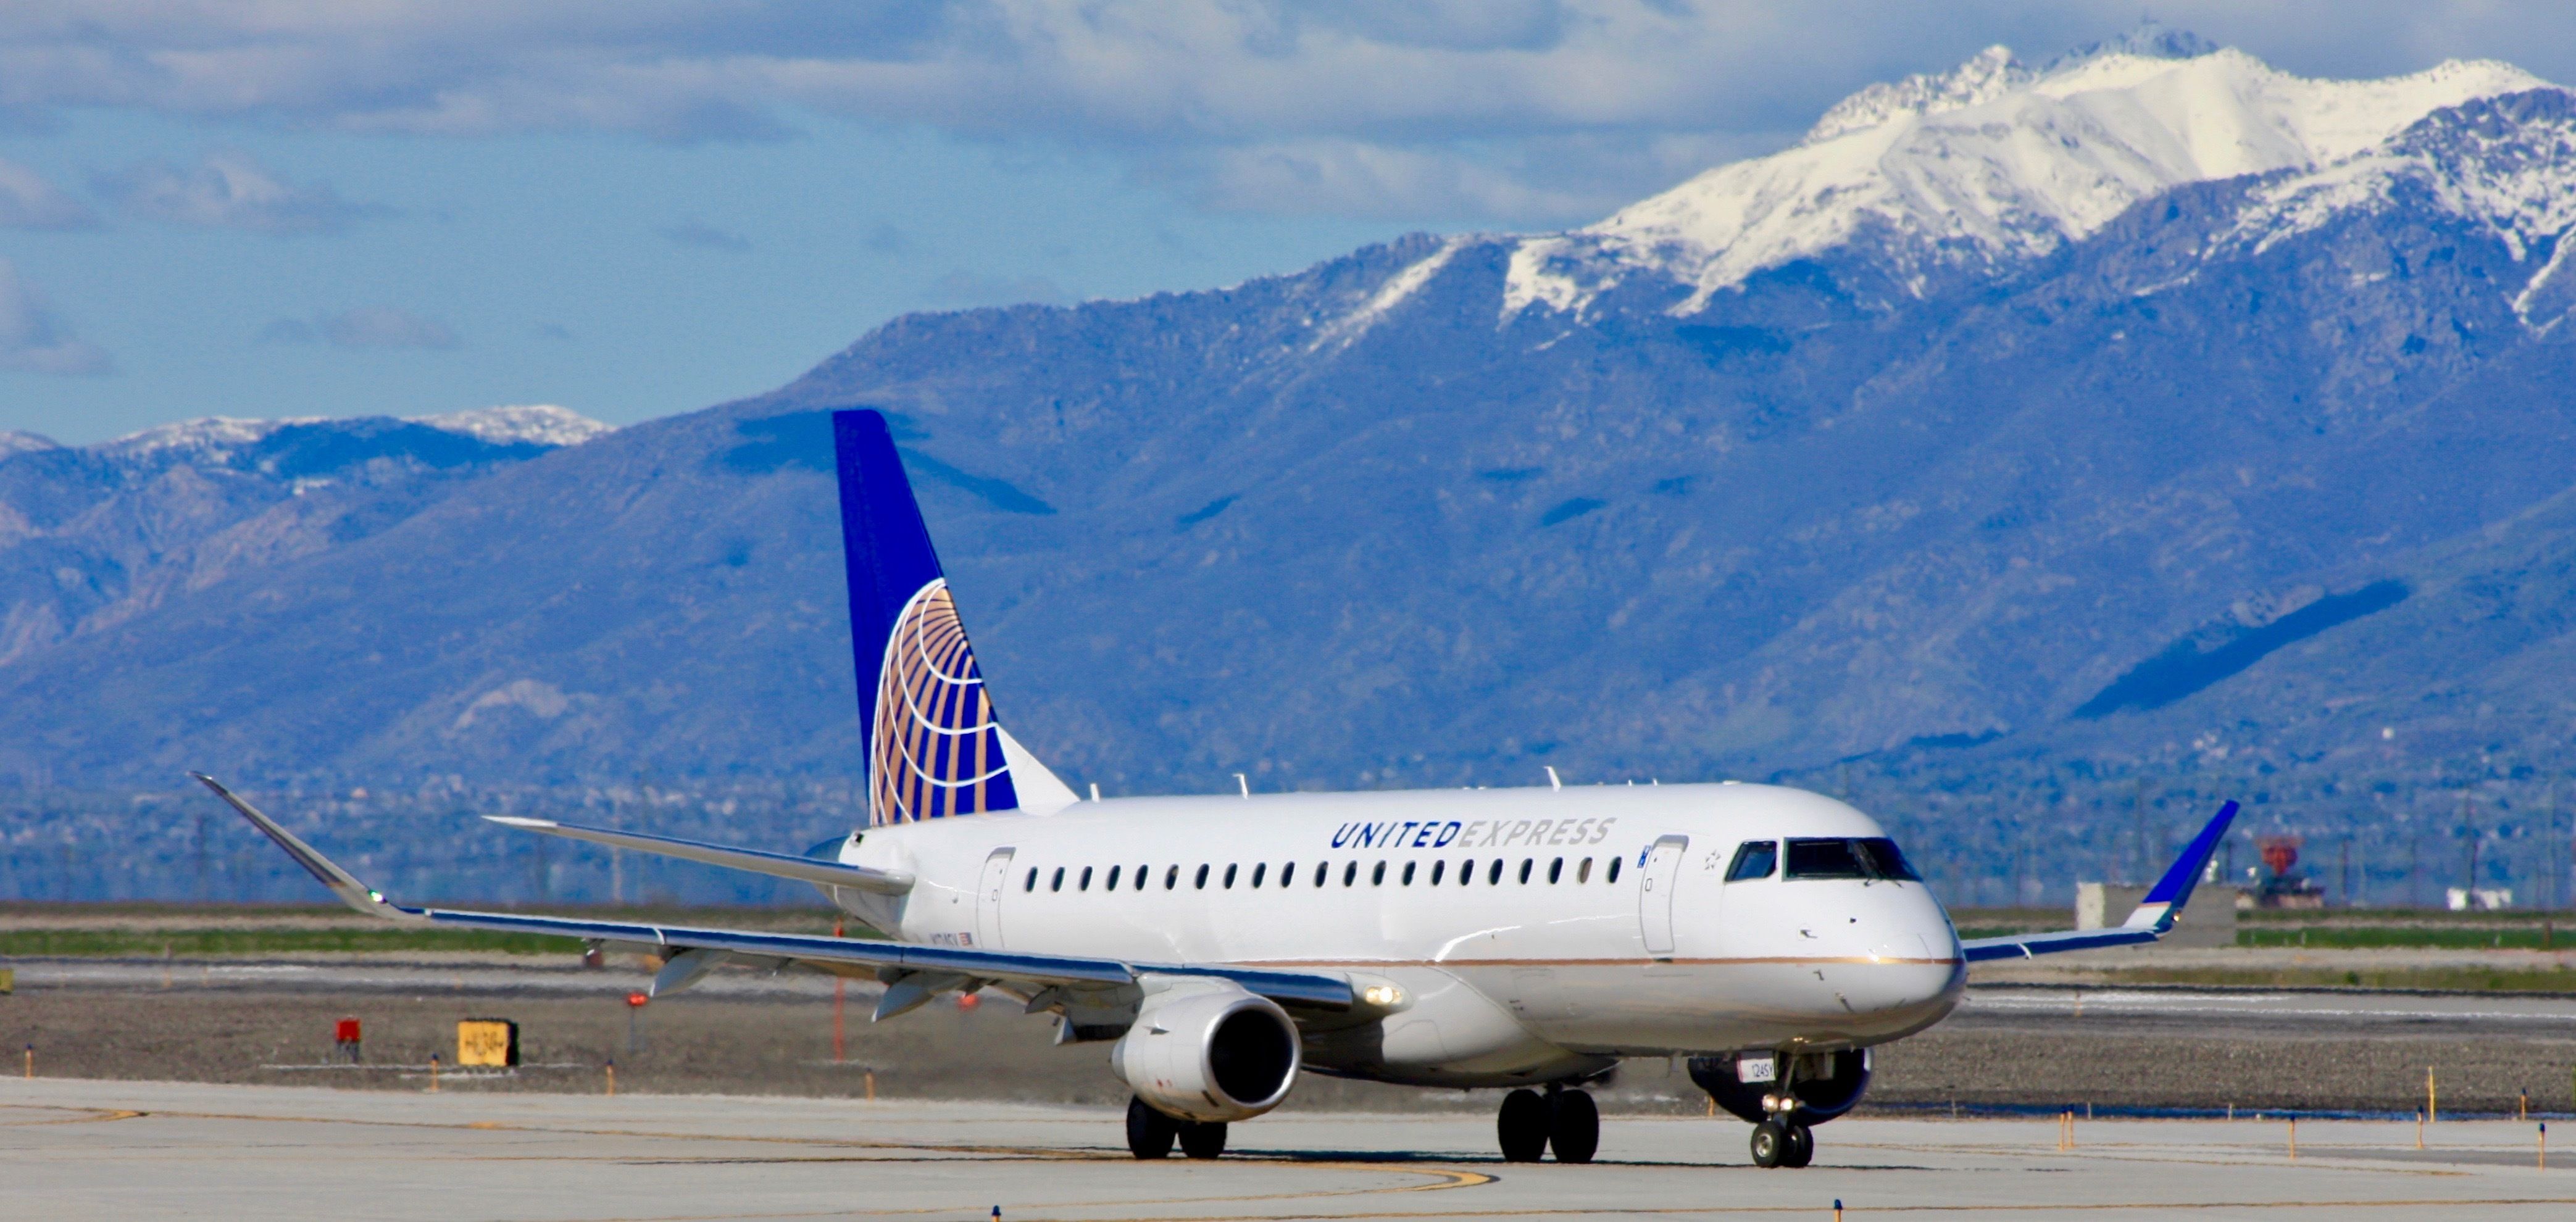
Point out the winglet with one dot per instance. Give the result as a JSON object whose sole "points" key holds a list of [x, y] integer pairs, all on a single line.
{"points": [[351, 892], [2164, 901]]}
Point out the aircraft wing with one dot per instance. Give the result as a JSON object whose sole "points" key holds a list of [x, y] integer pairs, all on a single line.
{"points": [[917, 971], [2153, 919], [757, 861]]}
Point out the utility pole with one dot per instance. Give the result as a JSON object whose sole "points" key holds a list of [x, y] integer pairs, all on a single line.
{"points": [[2469, 817], [2414, 855], [2138, 830]]}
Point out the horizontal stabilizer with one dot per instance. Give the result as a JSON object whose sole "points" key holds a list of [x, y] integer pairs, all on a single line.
{"points": [[757, 861]]}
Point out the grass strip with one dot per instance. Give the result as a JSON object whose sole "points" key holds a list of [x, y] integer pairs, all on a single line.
{"points": [[194, 943]]}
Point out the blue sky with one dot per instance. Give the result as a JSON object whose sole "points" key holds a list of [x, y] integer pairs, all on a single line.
{"points": [[640, 208]]}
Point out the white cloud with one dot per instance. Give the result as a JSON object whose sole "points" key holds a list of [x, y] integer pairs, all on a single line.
{"points": [[33, 340], [1370, 106], [228, 190], [362, 327], [27, 201]]}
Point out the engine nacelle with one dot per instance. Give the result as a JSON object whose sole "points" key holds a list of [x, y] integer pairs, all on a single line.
{"points": [[1825, 1085], [1208, 1054]]}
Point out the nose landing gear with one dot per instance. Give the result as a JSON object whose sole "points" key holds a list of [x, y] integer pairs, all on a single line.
{"points": [[1779, 1143], [1565, 1119]]}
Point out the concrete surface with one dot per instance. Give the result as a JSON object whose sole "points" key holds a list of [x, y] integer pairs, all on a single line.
{"points": [[88, 1149]]}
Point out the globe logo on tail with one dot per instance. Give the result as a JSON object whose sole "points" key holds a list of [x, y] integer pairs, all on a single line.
{"points": [[937, 751]]}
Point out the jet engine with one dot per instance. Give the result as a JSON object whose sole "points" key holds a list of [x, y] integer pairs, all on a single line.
{"points": [[1825, 1084], [1208, 1054]]}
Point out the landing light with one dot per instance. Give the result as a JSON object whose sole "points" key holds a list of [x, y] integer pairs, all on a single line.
{"points": [[1382, 995]]}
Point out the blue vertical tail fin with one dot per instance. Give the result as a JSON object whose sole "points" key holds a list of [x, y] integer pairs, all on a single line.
{"points": [[934, 748]]}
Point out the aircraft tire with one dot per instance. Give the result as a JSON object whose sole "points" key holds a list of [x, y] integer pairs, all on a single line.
{"points": [[1149, 1132], [1523, 1127], [1770, 1143], [1204, 1139], [1574, 1126], [1802, 1146]]}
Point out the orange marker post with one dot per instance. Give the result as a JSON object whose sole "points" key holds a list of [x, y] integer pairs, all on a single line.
{"points": [[2294, 1138], [31, 1060], [433, 1073], [612, 1079]]}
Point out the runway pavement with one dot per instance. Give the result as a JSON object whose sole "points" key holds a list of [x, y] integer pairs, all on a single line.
{"points": [[88, 1149], [2239, 1012]]}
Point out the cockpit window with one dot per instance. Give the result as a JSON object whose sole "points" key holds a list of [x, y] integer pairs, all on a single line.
{"points": [[1825, 859], [1754, 859], [1883, 856], [1876, 857]]}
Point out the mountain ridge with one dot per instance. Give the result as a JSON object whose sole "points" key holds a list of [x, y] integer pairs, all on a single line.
{"points": [[1369, 524]]}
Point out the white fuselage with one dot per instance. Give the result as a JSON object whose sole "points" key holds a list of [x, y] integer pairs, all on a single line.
{"points": [[1611, 930]]}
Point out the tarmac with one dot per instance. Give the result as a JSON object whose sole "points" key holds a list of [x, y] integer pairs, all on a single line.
{"points": [[90, 1148]]}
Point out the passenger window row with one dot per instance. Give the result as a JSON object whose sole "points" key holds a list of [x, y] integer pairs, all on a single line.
{"points": [[1288, 876]]}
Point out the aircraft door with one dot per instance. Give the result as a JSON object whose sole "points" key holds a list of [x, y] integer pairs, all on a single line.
{"points": [[988, 898], [1655, 892]]}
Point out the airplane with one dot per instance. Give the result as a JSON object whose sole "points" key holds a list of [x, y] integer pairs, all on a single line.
{"points": [[1528, 939]]}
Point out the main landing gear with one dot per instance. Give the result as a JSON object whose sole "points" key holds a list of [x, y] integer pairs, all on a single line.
{"points": [[1150, 1133], [1565, 1119], [1783, 1143]]}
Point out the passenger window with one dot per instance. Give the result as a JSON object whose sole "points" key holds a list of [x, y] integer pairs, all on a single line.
{"points": [[1408, 874], [1288, 874], [1201, 884], [1614, 870], [1583, 873], [1822, 858], [1377, 876], [1437, 868], [1056, 883], [1229, 876], [1466, 871], [1350, 874], [1171, 878], [1086, 880], [1494, 875], [1754, 859], [1554, 869], [1525, 869], [1032, 884], [1259, 868], [1112, 884], [1141, 872], [1321, 868]]}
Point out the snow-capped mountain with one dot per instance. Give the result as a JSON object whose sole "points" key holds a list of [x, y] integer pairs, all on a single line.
{"points": [[93, 535], [1993, 164], [539, 424], [543, 425], [2506, 165]]}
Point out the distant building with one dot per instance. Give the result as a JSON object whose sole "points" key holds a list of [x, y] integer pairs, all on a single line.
{"points": [[2483, 899], [2209, 922]]}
